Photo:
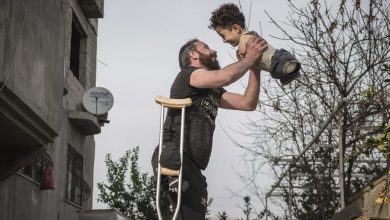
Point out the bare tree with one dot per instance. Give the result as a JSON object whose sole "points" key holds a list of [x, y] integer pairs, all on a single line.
{"points": [[344, 50]]}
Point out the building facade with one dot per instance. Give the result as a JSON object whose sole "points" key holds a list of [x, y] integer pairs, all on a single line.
{"points": [[47, 62], [371, 203]]}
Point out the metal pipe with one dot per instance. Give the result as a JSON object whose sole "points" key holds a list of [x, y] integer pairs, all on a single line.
{"points": [[341, 160], [266, 207], [290, 196]]}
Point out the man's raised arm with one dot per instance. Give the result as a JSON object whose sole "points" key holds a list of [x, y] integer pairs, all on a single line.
{"points": [[203, 78]]}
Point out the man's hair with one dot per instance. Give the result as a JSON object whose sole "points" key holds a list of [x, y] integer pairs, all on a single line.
{"points": [[184, 54], [225, 16]]}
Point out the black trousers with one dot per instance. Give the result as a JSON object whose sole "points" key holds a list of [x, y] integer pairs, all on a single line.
{"points": [[194, 199]]}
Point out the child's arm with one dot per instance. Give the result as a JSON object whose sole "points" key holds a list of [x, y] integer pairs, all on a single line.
{"points": [[242, 44], [241, 52]]}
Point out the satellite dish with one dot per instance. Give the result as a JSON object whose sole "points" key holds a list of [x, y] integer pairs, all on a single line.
{"points": [[98, 100]]}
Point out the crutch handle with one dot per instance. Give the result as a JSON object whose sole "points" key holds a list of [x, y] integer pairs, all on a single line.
{"points": [[173, 103], [169, 172]]}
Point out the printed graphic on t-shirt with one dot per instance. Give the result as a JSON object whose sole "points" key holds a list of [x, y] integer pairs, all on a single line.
{"points": [[203, 201], [209, 105]]}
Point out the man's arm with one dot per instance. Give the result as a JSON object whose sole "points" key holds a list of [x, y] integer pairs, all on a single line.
{"points": [[247, 101], [202, 78]]}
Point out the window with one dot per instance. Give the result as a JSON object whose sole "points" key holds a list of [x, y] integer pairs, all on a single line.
{"points": [[78, 41], [34, 170], [74, 177]]}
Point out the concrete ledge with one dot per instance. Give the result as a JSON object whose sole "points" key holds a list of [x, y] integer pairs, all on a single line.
{"points": [[86, 122], [101, 214], [92, 8]]}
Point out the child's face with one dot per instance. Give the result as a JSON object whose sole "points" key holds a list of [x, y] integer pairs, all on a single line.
{"points": [[230, 36]]}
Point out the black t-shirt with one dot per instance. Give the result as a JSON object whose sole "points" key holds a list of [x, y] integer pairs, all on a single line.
{"points": [[199, 120]]}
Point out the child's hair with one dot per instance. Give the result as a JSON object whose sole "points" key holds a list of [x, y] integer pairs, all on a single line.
{"points": [[227, 15]]}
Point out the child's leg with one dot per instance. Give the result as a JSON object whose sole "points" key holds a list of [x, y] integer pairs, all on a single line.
{"points": [[266, 59], [284, 66], [290, 68], [284, 63], [266, 62]]}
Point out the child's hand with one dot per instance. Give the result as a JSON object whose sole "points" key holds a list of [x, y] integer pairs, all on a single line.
{"points": [[242, 47], [239, 56]]}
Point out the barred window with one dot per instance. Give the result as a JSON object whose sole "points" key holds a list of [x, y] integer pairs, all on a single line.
{"points": [[74, 177], [77, 48], [34, 170]]}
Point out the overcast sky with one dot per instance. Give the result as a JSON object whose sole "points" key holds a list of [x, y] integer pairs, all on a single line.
{"points": [[138, 42]]}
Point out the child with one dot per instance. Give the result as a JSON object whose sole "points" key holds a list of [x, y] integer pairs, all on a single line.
{"points": [[229, 22]]}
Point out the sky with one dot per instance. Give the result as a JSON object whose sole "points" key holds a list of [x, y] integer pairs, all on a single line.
{"points": [[138, 45]]}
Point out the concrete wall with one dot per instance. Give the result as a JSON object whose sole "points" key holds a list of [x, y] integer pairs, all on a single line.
{"points": [[40, 75], [371, 209], [33, 55], [2, 35], [31, 78], [364, 207]]}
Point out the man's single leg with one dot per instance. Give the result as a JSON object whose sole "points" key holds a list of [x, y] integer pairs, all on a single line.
{"points": [[170, 165], [170, 156], [194, 199]]}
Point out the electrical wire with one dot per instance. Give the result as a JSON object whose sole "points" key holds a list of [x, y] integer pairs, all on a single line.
{"points": [[9, 73]]}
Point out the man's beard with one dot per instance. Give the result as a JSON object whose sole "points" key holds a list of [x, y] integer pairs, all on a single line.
{"points": [[208, 62]]}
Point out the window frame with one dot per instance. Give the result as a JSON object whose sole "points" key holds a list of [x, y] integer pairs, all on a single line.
{"points": [[74, 191], [78, 50]]}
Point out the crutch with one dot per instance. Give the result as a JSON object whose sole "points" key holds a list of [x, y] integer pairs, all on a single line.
{"points": [[178, 104]]}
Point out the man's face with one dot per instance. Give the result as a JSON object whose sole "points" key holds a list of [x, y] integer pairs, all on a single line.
{"points": [[207, 56]]}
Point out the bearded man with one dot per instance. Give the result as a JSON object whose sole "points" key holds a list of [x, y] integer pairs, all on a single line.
{"points": [[202, 80]]}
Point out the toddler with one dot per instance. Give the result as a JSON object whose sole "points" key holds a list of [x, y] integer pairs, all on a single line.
{"points": [[229, 22]]}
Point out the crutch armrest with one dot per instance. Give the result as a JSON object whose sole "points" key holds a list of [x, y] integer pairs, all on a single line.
{"points": [[169, 172], [173, 103]]}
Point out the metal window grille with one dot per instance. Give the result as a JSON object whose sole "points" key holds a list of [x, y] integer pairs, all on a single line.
{"points": [[34, 170], [74, 176], [77, 189]]}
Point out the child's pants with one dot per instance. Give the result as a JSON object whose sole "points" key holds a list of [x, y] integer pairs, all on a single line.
{"points": [[279, 62]]}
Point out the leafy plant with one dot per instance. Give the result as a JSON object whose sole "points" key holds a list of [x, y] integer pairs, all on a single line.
{"points": [[135, 196]]}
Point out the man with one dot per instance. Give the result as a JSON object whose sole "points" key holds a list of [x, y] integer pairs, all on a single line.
{"points": [[202, 80]]}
